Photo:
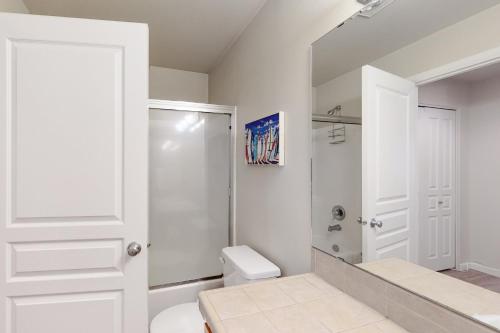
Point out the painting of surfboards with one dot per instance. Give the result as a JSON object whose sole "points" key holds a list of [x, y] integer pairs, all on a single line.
{"points": [[264, 140]]}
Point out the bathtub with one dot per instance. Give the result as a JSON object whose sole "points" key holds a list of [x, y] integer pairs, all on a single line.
{"points": [[346, 252], [162, 298]]}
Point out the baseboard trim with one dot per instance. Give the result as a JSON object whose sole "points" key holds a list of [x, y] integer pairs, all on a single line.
{"points": [[479, 267]]}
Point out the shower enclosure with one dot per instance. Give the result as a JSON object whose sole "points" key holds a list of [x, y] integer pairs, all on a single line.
{"points": [[336, 185], [189, 192]]}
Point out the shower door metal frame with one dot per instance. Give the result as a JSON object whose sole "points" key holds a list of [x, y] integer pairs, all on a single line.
{"points": [[167, 105]]}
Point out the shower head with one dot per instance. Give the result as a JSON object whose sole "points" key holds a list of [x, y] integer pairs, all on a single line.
{"points": [[335, 111]]}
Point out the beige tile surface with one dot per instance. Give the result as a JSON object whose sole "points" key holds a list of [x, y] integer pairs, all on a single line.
{"points": [[218, 327], [411, 320], [341, 312], [322, 285], [330, 269], [267, 296], [298, 304], [367, 288], [293, 319], [385, 326], [422, 315], [232, 303], [456, 294], [299, 289], [395, 269], [249, 324]]}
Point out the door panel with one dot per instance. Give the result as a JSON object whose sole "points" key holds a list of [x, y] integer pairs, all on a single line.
{"points": [[58, 130], [73, 169], [29, 260], [436, 147], [389, 191], [29, 314], [431, 234]]}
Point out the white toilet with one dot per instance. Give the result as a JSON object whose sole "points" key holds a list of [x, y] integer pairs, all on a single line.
{"points": [[241, 265]]}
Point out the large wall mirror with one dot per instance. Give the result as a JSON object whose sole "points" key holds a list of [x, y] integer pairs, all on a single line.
{"points": [[406, 148]]}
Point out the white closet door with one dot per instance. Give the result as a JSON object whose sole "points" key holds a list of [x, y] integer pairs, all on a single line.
{"points": [[436, 148], [388, 175], [73, 175]]}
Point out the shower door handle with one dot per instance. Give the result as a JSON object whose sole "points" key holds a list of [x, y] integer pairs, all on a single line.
{"points": [[134, 249]]}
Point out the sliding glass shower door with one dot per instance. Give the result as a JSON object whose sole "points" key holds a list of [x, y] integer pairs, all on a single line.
{"points": [[189, 165]]}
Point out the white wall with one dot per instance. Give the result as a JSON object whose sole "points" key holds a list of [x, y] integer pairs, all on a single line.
{"points": [[481, 174], [266, 71], [177, 85], [344, 90], [468, 37], [15, 6], [445, 93]]}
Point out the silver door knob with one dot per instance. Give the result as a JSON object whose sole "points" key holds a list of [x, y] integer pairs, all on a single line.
{"points": [[134, 249], [374, 223]]}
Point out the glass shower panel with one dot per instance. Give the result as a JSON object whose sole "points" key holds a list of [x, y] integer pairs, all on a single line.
{"points": [[189, 172]]}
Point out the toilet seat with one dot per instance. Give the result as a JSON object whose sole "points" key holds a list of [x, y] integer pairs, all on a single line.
{"points": [[182, 318]]}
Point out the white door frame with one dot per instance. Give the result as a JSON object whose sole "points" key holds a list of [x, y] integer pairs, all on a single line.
{"points": [[451, 69], [458, 175], [463, 65], [211, 108]]}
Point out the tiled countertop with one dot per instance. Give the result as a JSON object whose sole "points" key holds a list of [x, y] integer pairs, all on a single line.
{"points": [[297, 304], [459, 295]]}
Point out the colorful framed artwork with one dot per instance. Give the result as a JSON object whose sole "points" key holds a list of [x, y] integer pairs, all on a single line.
{"points": [[264, 140]]}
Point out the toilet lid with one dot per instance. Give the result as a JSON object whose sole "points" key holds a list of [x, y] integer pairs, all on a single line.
{"points": [[182, 318]]}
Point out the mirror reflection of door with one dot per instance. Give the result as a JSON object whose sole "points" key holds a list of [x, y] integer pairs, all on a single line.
{"points": [[436, 151], [389, 183]]}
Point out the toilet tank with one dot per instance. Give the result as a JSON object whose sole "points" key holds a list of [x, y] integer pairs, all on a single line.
{"points": [[241, 265]]}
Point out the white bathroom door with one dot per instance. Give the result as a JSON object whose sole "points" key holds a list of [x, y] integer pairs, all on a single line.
{"points": [[436, 149], [388, 168], [73, 175]]}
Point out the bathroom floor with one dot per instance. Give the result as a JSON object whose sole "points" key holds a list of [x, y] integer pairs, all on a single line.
{"points": [[475, 277]]}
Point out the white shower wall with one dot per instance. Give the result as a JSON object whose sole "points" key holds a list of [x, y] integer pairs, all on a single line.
{"points": [[336, 180], [336, 169]]}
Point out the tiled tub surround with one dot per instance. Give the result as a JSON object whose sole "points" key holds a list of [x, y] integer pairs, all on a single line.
{"points": [[414, 313], [297, 304], [459, 295]]}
